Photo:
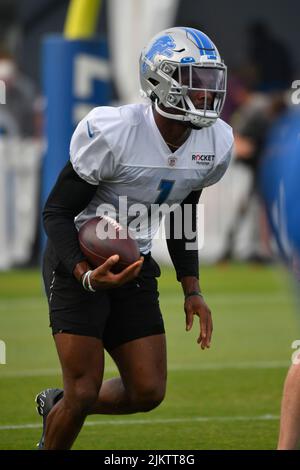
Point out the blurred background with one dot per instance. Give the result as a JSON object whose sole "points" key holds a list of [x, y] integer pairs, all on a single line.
{"points": [[55, 67], [258, 43]]}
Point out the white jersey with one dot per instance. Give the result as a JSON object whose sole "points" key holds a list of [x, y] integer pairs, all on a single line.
{"points": [[122, 152]]}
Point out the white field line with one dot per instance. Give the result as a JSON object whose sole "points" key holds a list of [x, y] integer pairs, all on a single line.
{"points": [[230, 298], [121, 422], [171, 368]]}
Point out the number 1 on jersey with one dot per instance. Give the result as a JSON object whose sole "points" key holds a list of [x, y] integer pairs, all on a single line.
{"points": [[165, 187]]}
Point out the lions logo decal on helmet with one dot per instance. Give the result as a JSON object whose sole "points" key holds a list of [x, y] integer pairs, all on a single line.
{"points": [[164, 45]]}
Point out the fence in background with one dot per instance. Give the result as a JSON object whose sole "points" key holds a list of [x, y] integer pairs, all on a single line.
{"points": [[20, 170]]}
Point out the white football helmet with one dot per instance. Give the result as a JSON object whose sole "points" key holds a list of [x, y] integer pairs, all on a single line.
{"points": [[175, 66]]}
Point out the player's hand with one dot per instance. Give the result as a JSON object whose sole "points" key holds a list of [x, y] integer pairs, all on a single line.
{"points": [[103, 278], [195, 305]]}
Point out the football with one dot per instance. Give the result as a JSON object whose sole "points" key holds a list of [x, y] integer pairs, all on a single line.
{"points": [[102, 237]]}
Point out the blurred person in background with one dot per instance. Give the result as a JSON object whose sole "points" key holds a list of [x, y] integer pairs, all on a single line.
{"points": [[251, 115], [20, 116], [255, 100], [20, 127], [279, 182]]}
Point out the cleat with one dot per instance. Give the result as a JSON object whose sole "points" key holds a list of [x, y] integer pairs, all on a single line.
{"points": [[45, 401]]}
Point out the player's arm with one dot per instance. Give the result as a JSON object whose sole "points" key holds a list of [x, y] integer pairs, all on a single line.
{"points": [[70, 195], [186, 264]]}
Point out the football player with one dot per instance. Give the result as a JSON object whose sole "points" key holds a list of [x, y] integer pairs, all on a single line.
{"points": [[162, 152], [279, 178]]}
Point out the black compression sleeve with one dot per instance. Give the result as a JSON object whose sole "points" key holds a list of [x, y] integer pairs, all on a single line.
{"points": [[186, 262], [70, 195]]}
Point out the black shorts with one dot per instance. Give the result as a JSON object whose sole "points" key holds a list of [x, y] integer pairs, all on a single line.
{"points": [[115, 316]]}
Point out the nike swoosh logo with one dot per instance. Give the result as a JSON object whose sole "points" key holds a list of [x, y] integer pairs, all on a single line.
{"points": [[91, 134]]}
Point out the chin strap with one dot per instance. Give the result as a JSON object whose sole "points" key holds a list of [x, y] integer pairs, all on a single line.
{"points": [[198, 121], [178, 117]]}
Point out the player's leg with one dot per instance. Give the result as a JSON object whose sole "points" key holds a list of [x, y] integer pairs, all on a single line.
{"points": [[289, 437], [134, 336], [82, 363], [142, 382], [77, 319]]}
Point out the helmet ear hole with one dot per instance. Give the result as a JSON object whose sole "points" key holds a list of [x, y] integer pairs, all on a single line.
{"points": [[153, 81]]}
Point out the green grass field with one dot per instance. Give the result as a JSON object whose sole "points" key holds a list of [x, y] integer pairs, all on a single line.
{"points": [[225, 398]]}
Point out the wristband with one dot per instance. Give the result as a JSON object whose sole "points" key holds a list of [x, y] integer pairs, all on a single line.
{"points": [[190, 294], [87, 285]]}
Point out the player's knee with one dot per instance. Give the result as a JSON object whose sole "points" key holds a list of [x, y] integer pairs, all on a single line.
{"points": [[83, 397], [149, 397]]}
